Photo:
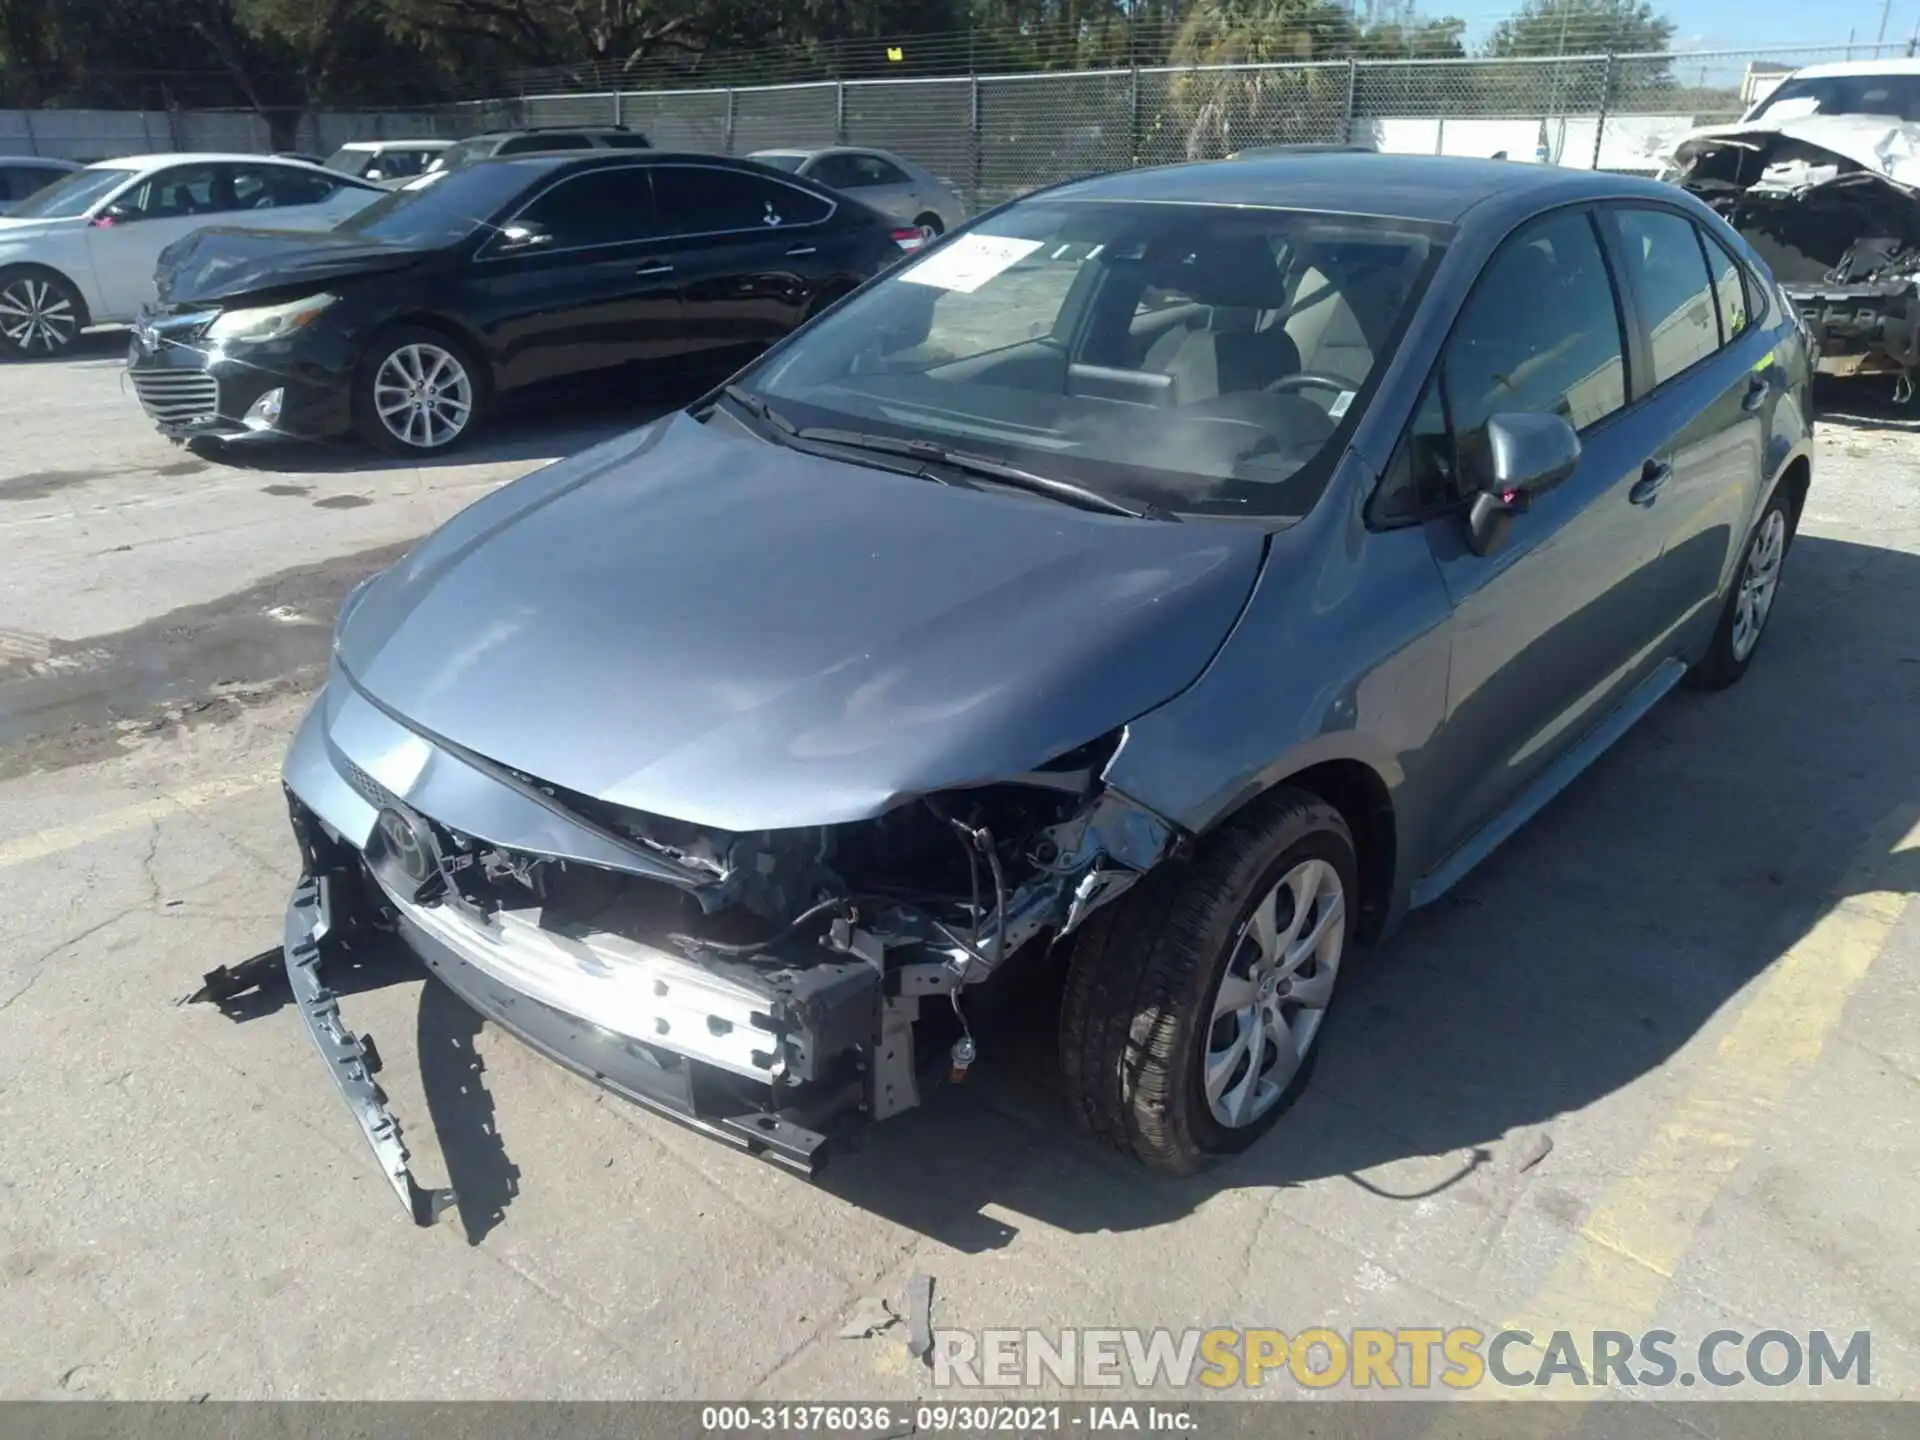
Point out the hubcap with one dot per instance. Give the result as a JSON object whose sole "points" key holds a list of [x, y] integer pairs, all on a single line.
{"points": [[423, 396], [1274, 993], [1759, 582], [34, 315]]}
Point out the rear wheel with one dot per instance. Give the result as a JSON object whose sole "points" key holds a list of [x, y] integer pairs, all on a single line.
{"points": [[930, 223], [417, 392], [1194, 1004], [1750, 605], [41, 313]]}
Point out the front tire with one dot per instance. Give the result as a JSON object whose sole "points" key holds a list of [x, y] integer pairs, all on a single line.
{"points": [[1193, 1004], [417, 392], [41, 314], [931, 223], [1743, 621]]}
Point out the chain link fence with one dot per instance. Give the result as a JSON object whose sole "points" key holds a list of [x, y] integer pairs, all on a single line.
{"points": [[997, 136]]}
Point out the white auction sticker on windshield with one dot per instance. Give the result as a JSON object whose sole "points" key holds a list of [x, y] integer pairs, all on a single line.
{"points": [[968, 262]]}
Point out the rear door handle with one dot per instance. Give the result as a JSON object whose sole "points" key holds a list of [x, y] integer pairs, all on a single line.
{"points": [[1654, 476], [1756, 395], [658, 267], [798, 250]]}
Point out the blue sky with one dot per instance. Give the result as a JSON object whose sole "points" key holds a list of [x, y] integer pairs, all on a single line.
{"points": [[1734, 24]]}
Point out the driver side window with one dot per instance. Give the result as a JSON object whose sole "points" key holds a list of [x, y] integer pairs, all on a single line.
{"points": [[1541, 333]]}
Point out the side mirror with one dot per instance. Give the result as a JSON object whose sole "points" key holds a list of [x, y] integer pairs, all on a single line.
{"points": [[523, 237], [113, 215], [1527, 455]]}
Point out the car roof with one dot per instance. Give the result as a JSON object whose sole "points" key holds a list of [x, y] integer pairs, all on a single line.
{"points": [[414, 144], [1902, 66], [146, 163], [49, 162], [818, 150], [1438, 188]]}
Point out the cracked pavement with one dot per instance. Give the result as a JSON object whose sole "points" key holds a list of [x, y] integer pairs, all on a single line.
{"points": [[187, 1209]]}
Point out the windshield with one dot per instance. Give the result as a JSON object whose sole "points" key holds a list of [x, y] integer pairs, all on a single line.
{"points": [[1198, 358], [781, 161], [349, 162], [71, 195], [1895, 96], [438, 208]]}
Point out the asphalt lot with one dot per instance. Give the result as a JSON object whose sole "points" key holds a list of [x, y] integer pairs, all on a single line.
{"points": [[1656, 1064]]}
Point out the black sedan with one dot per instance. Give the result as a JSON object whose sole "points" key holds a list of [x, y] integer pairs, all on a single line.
{"points": [[414, 317]]}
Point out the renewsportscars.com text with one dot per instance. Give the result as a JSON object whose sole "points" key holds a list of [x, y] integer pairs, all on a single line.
{"points": [[1411, 1359]]}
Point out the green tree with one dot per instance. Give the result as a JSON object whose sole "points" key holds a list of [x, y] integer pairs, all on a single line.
{"points": [[1581, 27]]}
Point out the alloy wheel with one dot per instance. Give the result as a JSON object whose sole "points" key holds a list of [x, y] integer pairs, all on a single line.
{"points": [[1274, 993], [1759, 583], [423, 396], [35, 317]]}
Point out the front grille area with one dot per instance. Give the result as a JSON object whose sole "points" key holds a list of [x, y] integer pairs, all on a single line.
{"points": [[177, 397]]}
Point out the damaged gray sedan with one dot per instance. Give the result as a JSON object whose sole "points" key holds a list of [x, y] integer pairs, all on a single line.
{"points": [[1182, 574]]}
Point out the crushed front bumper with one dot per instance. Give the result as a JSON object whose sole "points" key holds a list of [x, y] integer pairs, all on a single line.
{"points": [[1866, 329], [823, 1022]]}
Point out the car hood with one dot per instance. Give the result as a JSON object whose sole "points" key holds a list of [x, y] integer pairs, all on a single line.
{"points": [[1887, 148], [226, 264], [698, 624]]}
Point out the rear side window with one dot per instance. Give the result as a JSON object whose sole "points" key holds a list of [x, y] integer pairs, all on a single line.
{"points": [[706, 200], [1729, 291], [266, 187], [601, 207], [634, 141], [1670, 272], [853, 172], [1540, 334]]}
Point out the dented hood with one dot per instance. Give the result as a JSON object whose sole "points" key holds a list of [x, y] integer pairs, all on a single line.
{"points": [[702, 625], [225, 264], [1886, 147]]}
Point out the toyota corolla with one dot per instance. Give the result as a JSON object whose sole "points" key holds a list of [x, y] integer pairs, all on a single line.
{"points": [[1182, 574]]}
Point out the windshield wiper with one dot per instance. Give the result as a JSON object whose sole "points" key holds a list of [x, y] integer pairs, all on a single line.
{"points": [[783, 428], [984, 468]]}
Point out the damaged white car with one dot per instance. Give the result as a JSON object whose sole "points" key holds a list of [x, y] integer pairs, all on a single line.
{"points": [[1822, 178]]}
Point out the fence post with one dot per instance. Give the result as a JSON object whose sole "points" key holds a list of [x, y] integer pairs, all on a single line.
{"points": [[973, 138], [1133, 116], [1353, 86], [616, 104], [33, 143], [839, 112], [727, 130], [1606, 104]]}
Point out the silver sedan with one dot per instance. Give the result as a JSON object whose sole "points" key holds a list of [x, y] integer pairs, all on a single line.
{"points": [[889, 183]]}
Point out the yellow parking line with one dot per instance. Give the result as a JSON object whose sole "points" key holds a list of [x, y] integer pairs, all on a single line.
{"points": [[54, 840], [1614, 1273]]}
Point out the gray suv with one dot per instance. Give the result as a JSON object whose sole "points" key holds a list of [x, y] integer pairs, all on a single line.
{"points": [[1179, 574]]}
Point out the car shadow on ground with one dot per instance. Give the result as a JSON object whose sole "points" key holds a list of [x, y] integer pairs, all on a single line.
{"points": [[1579, 958]]}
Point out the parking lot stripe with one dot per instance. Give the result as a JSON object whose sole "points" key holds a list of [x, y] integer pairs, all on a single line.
{"points": [[58, 838], [1615, 1271]]}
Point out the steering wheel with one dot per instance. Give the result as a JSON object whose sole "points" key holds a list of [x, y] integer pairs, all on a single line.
{"points": [[1308, 379]]}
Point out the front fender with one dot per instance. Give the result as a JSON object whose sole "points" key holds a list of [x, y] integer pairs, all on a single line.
{"points": [[1343, 653]]}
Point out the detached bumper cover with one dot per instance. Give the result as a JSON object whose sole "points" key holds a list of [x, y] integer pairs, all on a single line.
{"points": [[349, 1059]]}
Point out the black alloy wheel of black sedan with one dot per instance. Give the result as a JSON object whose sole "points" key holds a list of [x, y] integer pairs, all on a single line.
{"points": [[414, 318]]}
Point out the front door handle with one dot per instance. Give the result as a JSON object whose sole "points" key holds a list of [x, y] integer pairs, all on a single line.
{"points": [[658, 267], [798, 250], [1654, 476], [1756, 395]]}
